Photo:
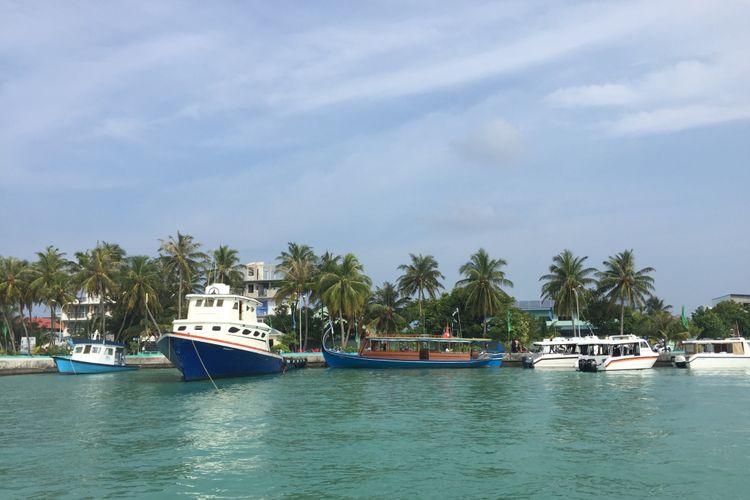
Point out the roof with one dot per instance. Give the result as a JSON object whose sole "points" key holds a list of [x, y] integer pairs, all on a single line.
{"points": [[427, 338], [727, 340], [98, 342]]}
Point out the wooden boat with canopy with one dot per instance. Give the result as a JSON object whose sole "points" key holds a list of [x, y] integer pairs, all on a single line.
{"points": [[421, 351]]}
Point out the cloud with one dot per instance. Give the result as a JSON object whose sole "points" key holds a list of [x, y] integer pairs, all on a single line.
{"points": [[608, 94], [495, 143], [674, 119]]}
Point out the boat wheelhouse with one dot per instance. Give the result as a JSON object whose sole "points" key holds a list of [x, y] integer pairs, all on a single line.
{"points": [[557, 352], [414, 352], [731, 352], [618, 352], [93, 356], [221, 337]]}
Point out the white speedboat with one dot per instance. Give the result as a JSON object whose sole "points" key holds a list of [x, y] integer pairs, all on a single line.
{"points": [[221, 337], [94, 356], [732, 352], [618, 352], [557, 352]]}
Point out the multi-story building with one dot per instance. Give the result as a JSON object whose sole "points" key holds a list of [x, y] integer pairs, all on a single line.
{"points": [[76, 317], [261, 283], [546, 309], [740, 298]]}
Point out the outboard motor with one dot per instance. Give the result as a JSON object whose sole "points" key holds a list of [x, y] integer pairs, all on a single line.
{"points": [[587, 365], [527, 362]]}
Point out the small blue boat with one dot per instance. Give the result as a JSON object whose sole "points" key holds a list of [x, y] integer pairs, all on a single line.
{"points": [[93, 356], [414, 352]]}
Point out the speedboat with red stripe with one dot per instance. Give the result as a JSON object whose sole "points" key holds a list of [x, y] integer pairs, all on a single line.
{"points": [[617, 352], [221, 337]]}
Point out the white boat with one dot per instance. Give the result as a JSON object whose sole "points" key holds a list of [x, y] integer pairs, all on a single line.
{"points": [[617, 352], [94, 356], [221, 337], [731, 352], [557, 353]]}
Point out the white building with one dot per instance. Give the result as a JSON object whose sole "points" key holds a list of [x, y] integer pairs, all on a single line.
{"points": [[261, 283], [740, 298], [76, 317]]}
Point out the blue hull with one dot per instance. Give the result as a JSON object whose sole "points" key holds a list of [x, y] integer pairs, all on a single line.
{"points": [[220, 361], [346, 360], [68, 366]]}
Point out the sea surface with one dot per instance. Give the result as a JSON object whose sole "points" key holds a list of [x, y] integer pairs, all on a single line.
{"points": [[483, 433]]}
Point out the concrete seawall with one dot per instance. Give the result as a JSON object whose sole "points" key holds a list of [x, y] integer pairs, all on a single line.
{"points": [[22, 365]]}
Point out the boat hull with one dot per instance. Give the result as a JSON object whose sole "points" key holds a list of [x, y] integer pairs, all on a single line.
{"points": [[717, 361], [68, 366], [556, 362], [349, 360], [196, 359], [619, 363]]}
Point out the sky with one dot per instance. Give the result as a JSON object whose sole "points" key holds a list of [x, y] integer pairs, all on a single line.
{"points": [[385, 128]]}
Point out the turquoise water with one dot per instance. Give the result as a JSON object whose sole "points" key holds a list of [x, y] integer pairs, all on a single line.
{"points": [[484, 433]]}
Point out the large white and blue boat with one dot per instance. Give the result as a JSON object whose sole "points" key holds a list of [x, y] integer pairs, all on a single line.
{"points": [[221, 337], [93, 356]]}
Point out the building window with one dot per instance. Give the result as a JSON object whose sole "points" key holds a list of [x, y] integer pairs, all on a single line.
{"points": [[250, 288]]}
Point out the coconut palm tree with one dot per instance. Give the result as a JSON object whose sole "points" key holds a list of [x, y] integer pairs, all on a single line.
{"points": [[297, 266], [97, 275], [656, 305], [620, 282], [566, 284], [226, 266], [345, 291], [385, 308], [420, 277], [182, 256], [50, 279], [483, 283], [13, 282], [140, 289]]}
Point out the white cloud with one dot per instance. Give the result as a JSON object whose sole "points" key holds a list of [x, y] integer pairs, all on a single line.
{"points": [[608, 94], [674, 119], [496, 142]]}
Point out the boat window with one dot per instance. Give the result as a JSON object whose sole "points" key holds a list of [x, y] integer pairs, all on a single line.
{"points": [[199, 327], [216, 328], [198, 302], [209, 302], [246, 332], [256, 333], [79, 349], [233, 329], [87, 349], [182, 328], [110, 351], [738, 348], [262, 335], [235, 306], [95, 350], [247, 308], [219, 302]]}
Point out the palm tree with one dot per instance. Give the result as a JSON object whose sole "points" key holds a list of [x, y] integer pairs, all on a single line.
{"points": [[420, 277], [226, 265], [656, 305], [51, 279], [345, 291], [385, 308], [182, 256], [620, 282], [140, 285], [297, 265], [97, 275], [566, 284], [13, 280], [483, 282]]}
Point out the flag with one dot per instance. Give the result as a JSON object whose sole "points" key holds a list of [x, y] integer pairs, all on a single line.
{"points": [[510, 317], [683, 318]]}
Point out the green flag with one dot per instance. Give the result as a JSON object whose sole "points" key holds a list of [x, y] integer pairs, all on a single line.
{"points": [[683, 318], [510, 317]]}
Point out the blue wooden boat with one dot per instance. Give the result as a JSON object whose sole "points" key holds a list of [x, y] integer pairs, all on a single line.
{"points": [[414, 352], [93, 356]]}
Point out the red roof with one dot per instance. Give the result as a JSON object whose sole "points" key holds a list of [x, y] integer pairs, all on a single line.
{"points": [[43, 323]]}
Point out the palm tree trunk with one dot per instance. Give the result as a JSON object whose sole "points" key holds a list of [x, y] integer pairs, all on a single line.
{"points": [[179, 298], [421, 314], [574, 320], [341, 324], [622, 318], [25, 330], [11, 332], [304, 346]]}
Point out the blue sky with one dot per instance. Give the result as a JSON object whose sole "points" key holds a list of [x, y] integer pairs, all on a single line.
{"points": [[384, 128]]}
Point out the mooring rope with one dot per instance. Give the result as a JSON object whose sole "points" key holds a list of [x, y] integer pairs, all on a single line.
{"points": [[203, 365]]}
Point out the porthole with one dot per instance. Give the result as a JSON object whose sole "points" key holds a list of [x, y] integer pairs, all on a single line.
{"points": [[256, 333], [245, 332], [233, 329], [216, 328], [182, 328], [199, 327], [262, 335]]}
